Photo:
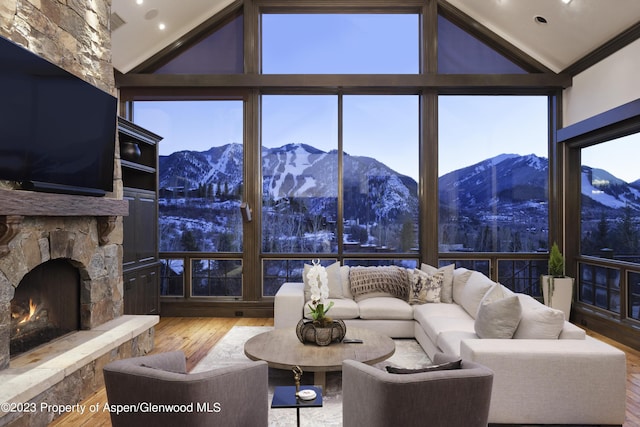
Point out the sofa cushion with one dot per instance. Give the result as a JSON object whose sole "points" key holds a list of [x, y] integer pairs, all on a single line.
{"points": [[471, 293], [426, 311], [449, 341], [370, 282], [538, 321], [334, 281], [446, 295], [433, 326], [385, 308], [424, 287], [343, 308], [498, 318]]}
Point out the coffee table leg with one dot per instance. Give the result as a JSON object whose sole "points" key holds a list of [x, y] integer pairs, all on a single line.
{"points": [[320, 379]]}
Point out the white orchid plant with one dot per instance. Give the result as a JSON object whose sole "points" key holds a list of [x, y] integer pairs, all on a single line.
{"points": [[319, 287]]}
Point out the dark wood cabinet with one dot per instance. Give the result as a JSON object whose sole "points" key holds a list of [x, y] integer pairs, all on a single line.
{"points": [[141, 265]]}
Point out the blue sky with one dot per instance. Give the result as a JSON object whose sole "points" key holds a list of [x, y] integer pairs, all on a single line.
{"points": [[471, 128]]}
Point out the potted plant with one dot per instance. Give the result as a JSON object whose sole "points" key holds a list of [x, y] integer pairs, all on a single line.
{"points": [[322, 330], [557, 289]]}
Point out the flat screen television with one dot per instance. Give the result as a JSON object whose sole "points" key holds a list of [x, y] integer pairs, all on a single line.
{"points": [[57, 132]]}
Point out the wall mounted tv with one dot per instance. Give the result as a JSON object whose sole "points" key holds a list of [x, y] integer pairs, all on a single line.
{"points": [[57, 132]]}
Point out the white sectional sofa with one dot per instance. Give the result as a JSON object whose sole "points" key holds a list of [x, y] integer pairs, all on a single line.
{"points": [[546, 370]]}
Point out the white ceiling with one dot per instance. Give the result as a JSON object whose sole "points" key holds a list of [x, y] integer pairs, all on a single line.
{"points": [[572, 30]]}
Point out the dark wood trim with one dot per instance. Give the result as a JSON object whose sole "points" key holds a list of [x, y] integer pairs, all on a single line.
{"points": [[614, 123], [216, 309], [428, 196], [623, 39], [482, 33], [488, 83], [340, 6]]}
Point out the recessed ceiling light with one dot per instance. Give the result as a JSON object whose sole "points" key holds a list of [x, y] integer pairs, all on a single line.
{"points": [[139, 1], [566, 1], [540, 20], [162, 26]]}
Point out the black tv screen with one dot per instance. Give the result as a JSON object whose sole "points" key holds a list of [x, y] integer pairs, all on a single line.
{"points": [[57, 132]]}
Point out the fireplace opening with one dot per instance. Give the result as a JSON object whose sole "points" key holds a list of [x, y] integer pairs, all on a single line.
{"points": [[45, 306]]}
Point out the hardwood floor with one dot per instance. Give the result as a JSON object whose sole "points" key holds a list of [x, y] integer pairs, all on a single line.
{"points": [[197, 335]]}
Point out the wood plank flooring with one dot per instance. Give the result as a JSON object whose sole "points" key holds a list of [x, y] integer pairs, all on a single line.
{"points": [[197, 335]]}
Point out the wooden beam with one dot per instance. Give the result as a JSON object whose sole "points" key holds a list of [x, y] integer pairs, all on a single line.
{"points": [[30, 203], [458, 82]]}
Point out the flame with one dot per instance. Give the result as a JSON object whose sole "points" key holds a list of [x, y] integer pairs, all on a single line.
{"points": [[32, 311]]}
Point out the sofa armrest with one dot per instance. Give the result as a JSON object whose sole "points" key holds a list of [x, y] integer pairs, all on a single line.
{"points": [[552, 381], [288, 305]]}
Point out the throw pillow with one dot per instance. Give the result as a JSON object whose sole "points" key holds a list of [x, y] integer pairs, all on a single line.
{"points": [[499, 318], [538, 321], [471, 293], [446, 294], [440, 367], [369, 282], [333, 278], [460, 277], [424, 287]]}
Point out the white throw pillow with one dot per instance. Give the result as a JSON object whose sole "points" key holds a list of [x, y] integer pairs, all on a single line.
{"points": [[346, 286], [334, 280], [498, 318], [538, 321], [446, 294], [471, 293]]}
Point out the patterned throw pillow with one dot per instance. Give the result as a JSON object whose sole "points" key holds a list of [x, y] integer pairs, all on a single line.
{"points": [[425, 287]]}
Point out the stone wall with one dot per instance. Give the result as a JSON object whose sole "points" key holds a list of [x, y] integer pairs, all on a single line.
{"points": [[73, 34]]}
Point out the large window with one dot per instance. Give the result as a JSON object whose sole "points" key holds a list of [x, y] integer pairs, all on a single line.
{"points": [[610, 207], [380, 178], [301, 172], [200, 191], [344, 144], [493, 173], [340, 44]]}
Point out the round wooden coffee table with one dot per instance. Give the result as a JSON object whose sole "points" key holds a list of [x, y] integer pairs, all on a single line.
{"points": [[281, 349]]}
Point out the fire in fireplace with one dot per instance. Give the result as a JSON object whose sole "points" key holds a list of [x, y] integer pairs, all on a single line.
{"points": [[45, 306]]}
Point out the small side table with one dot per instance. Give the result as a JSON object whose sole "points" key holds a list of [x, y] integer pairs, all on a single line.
{"points": [[285, 397]]}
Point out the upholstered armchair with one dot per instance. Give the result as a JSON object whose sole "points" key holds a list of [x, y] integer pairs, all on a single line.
{"points": [[155, 390], [446, 398]]}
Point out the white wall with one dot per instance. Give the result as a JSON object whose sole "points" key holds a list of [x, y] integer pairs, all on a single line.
{"points": [[606, 85]]}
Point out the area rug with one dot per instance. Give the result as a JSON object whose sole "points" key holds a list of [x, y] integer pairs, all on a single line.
{"points": [[230, 350]]}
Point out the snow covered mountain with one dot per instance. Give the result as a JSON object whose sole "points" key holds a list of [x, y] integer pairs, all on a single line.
{"points": [[510, 181]]}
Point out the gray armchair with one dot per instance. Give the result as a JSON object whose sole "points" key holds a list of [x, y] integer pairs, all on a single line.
{"points": [[451, 398], [229, 396]]}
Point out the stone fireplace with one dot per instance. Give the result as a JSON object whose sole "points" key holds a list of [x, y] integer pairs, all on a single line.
{"points": [[61, 299], [49, 241], [40, 230]]}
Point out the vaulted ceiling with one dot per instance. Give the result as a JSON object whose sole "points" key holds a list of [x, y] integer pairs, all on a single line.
{"points": [[573, 28]]}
